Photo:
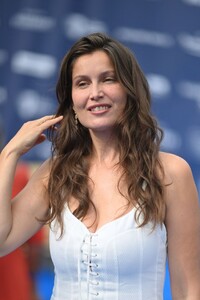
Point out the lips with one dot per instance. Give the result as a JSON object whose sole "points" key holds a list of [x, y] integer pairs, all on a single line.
{"points": [[99, 107]]}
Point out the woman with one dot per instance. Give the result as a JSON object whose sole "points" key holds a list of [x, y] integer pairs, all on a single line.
{"points": [[116, 205]]}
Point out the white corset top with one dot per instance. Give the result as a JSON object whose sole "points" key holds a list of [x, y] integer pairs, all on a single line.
{"points": [[120, 261]]}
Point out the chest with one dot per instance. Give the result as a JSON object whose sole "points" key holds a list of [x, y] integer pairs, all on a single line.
{"points": [[107, 186], [108, 194]]}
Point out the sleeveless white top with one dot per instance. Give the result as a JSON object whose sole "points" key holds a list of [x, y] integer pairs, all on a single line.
{"points": [[118, 262]]}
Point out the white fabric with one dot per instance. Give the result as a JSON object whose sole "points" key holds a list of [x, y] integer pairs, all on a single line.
{"points": [[118, 262]]}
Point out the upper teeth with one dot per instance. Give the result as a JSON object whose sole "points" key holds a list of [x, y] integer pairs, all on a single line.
{"points": [[99, 108]]}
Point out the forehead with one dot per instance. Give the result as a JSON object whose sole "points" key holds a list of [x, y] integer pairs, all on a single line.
{"points": [[96, 61]]}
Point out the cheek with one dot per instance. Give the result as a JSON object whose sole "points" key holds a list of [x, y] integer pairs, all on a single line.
{"points": [[79, 99], [74, 97], [76, 100], [122, 100], [119, 94]]}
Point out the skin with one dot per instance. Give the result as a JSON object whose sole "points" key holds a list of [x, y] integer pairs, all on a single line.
{"points": [[90, 87], [182, 221]]}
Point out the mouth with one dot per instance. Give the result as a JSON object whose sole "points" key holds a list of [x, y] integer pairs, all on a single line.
{"points": [[99, 108]]}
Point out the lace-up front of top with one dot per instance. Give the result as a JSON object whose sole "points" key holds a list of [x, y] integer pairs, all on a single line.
{"points": [[118, 262]]}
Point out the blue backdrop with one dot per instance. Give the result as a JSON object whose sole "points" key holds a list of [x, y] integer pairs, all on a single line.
{"points": [[164, 35]]}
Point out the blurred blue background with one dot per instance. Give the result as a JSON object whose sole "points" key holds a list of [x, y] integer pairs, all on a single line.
{"points": [[163, 34]]}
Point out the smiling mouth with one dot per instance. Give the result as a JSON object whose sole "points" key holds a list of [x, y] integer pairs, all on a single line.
{"points": [[99, 108]]}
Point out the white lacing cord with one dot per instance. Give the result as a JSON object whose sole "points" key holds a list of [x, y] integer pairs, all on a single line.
{"points": [[89, 264], [79, 269], [93, 265]]}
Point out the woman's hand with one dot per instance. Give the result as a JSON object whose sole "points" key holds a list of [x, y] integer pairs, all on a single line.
{"points": [[31, 134]]}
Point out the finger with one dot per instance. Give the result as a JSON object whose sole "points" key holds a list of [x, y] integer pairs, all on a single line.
{"points": [[48, 122], [51, 118]]}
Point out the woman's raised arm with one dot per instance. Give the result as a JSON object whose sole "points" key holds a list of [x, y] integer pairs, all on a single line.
{"points": [[18, 220]]}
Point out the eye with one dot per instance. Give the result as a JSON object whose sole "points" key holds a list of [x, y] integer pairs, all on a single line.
{"points": [[110, 79], [82, 83]]}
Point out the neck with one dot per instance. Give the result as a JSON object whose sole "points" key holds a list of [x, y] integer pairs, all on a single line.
{"points": [[104, 149]]}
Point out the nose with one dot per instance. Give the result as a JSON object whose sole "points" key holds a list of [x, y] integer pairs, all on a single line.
{"points": [[96, 92]]}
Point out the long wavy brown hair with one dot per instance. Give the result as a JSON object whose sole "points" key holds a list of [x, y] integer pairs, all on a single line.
{"points": [[138, 136]]}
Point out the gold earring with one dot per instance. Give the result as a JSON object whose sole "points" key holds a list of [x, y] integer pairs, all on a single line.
{"points": [[76, 120]]}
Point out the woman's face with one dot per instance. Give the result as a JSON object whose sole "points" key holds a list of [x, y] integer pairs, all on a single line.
{"points": [[98, 97]]}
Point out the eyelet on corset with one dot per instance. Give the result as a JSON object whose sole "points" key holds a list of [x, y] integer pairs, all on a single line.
{"points": [[95, 294], [94, 274], [94, 282]]}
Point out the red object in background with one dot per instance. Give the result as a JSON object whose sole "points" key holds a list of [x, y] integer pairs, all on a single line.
{"points": [[15, 278]]}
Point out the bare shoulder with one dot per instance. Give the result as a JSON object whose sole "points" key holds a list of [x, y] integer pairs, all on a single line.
{"points": [[173, 163], [180, 187], [176, 169]]}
